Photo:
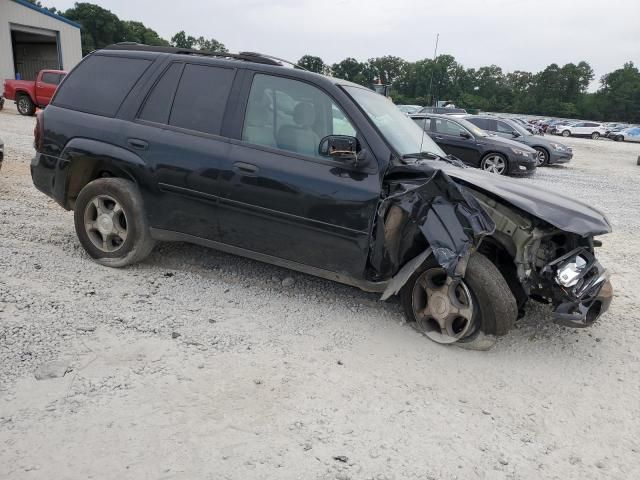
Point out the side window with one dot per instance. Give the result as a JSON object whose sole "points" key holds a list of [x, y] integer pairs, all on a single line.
{"points": [[291, 115], [484, 123], [158, 105], [51, 78], [448, 127], [100, 83], [201, 98], [504, 128], [421, 122], [579, 125]]}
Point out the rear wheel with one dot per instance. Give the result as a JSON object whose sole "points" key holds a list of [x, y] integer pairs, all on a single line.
{"points": [[111, 223], [595, 135], [495, 163], [25, 105], [457, 311], [566, 133], [618, 138], [542, 156]]}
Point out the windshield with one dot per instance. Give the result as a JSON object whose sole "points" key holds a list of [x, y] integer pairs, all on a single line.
{"points": [[399, 130], [518, 128], [474, 129]]}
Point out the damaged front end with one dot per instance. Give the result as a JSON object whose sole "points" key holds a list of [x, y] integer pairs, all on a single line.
{"points": [[427, 212]]}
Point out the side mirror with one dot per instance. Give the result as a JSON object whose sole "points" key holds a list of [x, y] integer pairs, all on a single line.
{"points": [[465, 135], [341, 147]]}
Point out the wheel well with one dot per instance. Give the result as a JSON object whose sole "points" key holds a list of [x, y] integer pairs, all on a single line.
{"points": [[503, 260], [86, 170], [493, 152], [542, 148], [20, 93]]}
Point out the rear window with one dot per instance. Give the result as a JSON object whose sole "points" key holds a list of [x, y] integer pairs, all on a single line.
{"points": [[201, 98], [52, 78], [158, 104], [100, 83]]}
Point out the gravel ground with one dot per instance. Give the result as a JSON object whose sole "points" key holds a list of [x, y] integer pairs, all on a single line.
{"points": [[198, 364]]}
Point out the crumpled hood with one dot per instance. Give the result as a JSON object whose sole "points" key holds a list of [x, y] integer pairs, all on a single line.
{"points": [[559, 210]]}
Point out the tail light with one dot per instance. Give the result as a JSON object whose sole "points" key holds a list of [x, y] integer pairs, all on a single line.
{"points": [[38, 132]]}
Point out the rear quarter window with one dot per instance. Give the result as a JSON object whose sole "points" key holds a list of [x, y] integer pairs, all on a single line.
{"points": [[100, 83]]}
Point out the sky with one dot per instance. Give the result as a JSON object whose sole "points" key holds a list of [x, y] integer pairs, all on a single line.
{"points": [[513, 34]]}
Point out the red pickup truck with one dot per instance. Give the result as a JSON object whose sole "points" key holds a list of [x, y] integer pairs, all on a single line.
{"points": [[29, 94]]}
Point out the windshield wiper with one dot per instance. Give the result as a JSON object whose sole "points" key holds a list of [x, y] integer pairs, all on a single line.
{"points": [[434, 156]]}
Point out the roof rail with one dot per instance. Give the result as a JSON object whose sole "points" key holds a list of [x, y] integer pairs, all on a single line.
{"points": [[245, 56]]}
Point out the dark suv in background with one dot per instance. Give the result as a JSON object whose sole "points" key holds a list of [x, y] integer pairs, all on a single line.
{"points": [[475, 147], [548, 152], [240, 153]]}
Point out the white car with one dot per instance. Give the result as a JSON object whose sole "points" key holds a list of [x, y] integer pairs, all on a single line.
{"points": [[631, 134], [582, 129]]}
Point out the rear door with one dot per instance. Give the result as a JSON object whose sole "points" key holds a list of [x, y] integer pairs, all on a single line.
{"points": [[179, 133], [449, 136], [46, 85], [288, 201]]}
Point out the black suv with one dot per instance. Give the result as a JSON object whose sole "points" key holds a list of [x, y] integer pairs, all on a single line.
{"points": [[477, 148], [241, 153]]}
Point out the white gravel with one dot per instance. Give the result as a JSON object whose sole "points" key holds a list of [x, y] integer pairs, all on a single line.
{"points": [[197, 364]]}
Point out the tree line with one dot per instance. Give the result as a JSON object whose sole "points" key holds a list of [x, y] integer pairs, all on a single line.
{"points": [[559, 91]]}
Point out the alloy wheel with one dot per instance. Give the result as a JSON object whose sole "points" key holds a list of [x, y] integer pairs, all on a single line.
{"points": [[23, 105], [105, 223], [494, 164], [541, 157], [443, 307]]}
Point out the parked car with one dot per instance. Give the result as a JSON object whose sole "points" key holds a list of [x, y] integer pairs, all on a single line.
{"points": [[533, 129], [28, 95], [444, 111], [553, 126], [475, 147], [239, 153], [547, 151], [631, 134], [613, 128], [409, 108], [582, 129]]}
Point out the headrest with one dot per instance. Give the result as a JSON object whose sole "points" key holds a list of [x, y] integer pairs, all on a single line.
{"points": [[304, 114]]}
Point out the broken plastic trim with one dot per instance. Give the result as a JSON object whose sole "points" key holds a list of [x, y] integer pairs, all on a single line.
{"points": [[444, 214]]}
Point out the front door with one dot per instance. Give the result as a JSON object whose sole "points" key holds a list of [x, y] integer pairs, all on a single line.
{"points": [[288, 201], [455, 140]]}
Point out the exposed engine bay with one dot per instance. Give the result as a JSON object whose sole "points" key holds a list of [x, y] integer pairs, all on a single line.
{"points": [[428, 209]]}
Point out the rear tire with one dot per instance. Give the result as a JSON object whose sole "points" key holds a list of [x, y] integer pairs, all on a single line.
{"points": [[618, 138], [25, 106], [494, 306], [595, 136], [111, 222], [566, 133]]}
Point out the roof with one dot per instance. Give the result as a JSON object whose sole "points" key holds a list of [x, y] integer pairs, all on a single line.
{"points": [[46, 12]]}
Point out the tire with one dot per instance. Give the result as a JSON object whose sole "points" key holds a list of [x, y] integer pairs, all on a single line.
{"points": [[494, 306], [542, 156], [618, 138], [25, 106], [495, 163], [566, 133], [112, 236], [595, 136]]}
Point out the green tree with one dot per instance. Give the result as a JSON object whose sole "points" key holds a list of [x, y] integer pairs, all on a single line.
{"points": [[181, 40], [210, 45], [100, 27], [313, 64], [137, 32]]}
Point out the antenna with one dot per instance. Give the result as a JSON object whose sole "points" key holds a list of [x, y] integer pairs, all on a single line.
{"points": [[435, 55]]}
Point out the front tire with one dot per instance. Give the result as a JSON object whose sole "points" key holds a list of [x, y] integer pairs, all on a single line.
{"points": [[495, 163], [25, 106], [618, 138], [595, 136], [448, 312], [111, 222], [542, 156], [566, 133]]}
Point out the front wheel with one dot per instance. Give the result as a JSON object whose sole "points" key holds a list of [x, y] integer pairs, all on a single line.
{"points": [[111, 223], [566, 133], [495, 163], [26, 106], [618, 138], [542, 156], [449, 311], [595, 135]]}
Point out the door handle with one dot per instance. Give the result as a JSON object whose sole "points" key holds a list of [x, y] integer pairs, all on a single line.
{"points": [[245, 168], [438, 138], [137, 143]]}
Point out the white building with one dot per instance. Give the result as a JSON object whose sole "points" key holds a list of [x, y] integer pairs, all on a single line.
{"points": [[32, 39]]}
